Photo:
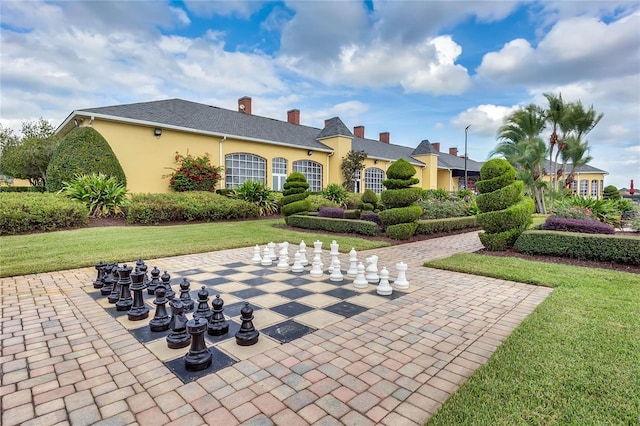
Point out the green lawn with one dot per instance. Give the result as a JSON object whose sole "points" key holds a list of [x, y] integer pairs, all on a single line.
{"points": [[574, 361], [55, 251]]}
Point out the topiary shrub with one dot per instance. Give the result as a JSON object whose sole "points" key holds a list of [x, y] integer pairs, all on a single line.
{"points": [[295, 187], [505, 212], [401, 212], [400, 197], [400, 169], [82, 152], [316, 202], [610, 192], [371, 198], [401, 231], [411, 213]]}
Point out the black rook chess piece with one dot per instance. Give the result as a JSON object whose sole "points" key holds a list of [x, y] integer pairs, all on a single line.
{"points": [[155, 281], [199, 357], [178, 338], [115, 291], [165, 280], [108, 281], [100, 267], [139, 310], [217, 324], [185, 296], [203, 310], [125, 302], [247, 335], [160, 320]]}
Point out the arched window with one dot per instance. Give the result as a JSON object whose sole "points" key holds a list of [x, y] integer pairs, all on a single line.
{"points": [[312, 171], [373, 178], [279, 172], [594, 188], [242, 167], [584, 187]]}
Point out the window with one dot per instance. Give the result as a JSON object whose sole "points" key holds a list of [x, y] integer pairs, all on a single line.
{"points": [[279, 167], [356, 182], [242, 167], [574, 187], [373, 178], [312, 171], [584, 187], [601, 187], [594, 188]]}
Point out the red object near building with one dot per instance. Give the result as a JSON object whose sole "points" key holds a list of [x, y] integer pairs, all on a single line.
{"points": [[631, 190]]}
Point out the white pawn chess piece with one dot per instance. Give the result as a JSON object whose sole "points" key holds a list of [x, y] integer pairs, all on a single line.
{"points": [[336, 274], [360, 281], [372, 269], [297, 264], [316, 267], [384, 289], [317, 247], [272, 250], [353, 263], [303, 253], [283, 261], [256, 255], [401, 283], [333, 257], [266, 258]]}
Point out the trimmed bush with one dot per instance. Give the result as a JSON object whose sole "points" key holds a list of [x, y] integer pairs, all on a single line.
{"points": [[352, 214], [401, 231], [369, 197], [501, 198], [410, 213], [335, 212], [361, 227], [371, 217], [400, 197], [399, 183], [435, 209], [288, 199], [446, 225], [82, 152], [485, 186], [494, 168], [400, 169], [296, 207], [30, 212], [296, 183], [610, 248], [610, 192], [585, 226], [366, 207], [501, 241], [317, 202], [512, 217]]}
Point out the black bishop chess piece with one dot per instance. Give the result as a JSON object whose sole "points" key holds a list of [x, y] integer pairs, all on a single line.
{"points": [[247, 335], [115, 291], [185, 295], [100, 267], [218, 325], [155, 281], [165, 280], [160, 320], [125, 301], [178, 338], [139, 310], [142, 267], [108, 281], [199, 357], [203, 310]]}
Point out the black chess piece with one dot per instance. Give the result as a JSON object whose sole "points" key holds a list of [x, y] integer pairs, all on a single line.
{"points": [[247, 335], [143, 268], [203, 310], [185, 296], [178, 338], [165, 280], [108, 281], [199, 357], [125, 301], [139, 310], [155, 281], [218, 325], [100, 267], [160, 320], [115, 292]]}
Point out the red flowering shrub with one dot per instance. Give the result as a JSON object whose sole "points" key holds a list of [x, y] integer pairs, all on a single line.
{"points": [[194, 174]]}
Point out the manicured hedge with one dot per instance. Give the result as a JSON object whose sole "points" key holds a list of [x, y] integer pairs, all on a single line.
{"points": [[400, 169], [401, 231], [500, 241], [496, 183], [187, 206], [399, 183], [352, 214], [20, 212], [435, 226], [296, 207], [400, 197], [512, 217], [288, 199], [501, 198], [371, 217], [334, 212], [362, 227], [400, 215], [586, 226], [610, 248]]}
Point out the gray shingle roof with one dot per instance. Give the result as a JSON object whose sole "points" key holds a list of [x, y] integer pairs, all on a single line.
{"points": [[384, 151], [334, 127]]}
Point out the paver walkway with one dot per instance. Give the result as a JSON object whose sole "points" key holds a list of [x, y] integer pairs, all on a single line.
{"points": [[65, 360]]}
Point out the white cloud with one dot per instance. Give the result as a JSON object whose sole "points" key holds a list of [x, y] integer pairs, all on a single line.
{"points": [[485, 120], [207, 9]]}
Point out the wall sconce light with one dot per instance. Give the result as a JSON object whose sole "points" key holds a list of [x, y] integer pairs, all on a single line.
{"points": [[375, 161], [310, 152], [157, 132]]}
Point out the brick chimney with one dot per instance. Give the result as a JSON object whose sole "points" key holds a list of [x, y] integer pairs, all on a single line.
{"points": [[293, 116], [384, 137], [358, 131], [453, 151], [436, 146], [244, 105]]}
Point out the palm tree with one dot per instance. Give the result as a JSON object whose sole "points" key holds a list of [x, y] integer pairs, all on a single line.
{"points": [[556, 115], [577, 152]]}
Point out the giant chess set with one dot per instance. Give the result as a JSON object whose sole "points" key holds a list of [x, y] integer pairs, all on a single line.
{"points": [[201, 320]]}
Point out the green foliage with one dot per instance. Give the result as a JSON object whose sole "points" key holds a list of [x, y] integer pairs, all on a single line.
{"points": [[601, 209], [501, 198], [258, 194], [21, 189], [610, 192], [83, 151], [400, 215], [294, 187], [400, 169], [517, 216], [572, 212], [296, 177], [361, 227], [400, 197], [577, 225], [352, 214], [316, 201], [368, 207], [296, 183], [610, 248], [435, 226], [634, 223], [187, 206], [351, 163], [30, 212], [103, 196], [436, 194], [370, 197], [353, 201], [434, 209], [465, 194], [399, 183], [336, 193], [486, 186], [401, 231], [297, 207], [194, 174], [494, 168], [500, 241]]}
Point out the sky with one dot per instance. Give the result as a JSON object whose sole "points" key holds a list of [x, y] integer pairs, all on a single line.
{"points": [[416, 69]]}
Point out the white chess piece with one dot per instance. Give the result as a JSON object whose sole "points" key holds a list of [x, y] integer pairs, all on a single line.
{"points": [[353, 263], [333, 257], [384, 289], [284, 253], [256, 255], [372, 269], [266, 258], [272, 250], [334, 247], [283, 261], [360, 281], [336, 274], [401, 283], [303, 253], [316, 267], [317, 247], [297, 264]]}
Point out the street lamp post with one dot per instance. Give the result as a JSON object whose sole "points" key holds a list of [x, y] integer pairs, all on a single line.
{"points": [[466, 180]]}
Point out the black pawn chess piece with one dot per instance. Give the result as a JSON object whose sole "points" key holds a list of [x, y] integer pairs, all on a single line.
{"points": [[108, 281], [125, 301], [160, 320], [199, 357], [247, 335], [178, 338], [155, 281], [139, 310], [185, 295], [165, 280], [218, 325], [100, 267], [203, 310], [115, 292]]}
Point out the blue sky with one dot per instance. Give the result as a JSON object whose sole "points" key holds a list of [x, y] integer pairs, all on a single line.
{"points": [[417, 69]]}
